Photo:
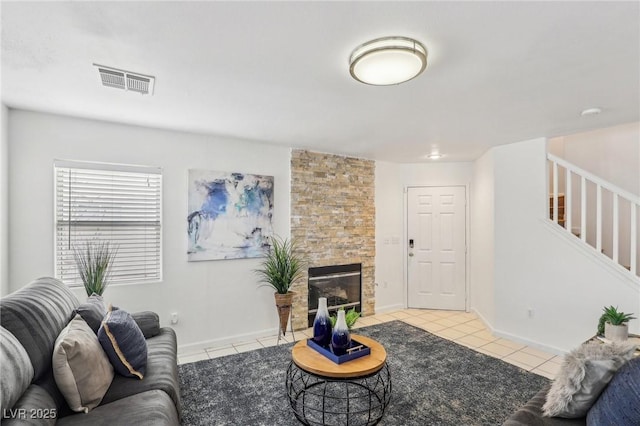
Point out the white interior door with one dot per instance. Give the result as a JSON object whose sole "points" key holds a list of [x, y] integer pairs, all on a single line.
{"points": [[436, 229]]}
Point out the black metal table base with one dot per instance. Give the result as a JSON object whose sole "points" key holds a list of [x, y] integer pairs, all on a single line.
{"points": [[327, 401]]}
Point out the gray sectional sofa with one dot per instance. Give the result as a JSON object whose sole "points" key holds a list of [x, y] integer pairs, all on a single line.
{"points": [[598, 384], [31, 320], [531, 414]]}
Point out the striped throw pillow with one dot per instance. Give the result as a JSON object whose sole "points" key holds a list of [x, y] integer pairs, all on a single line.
{"points": [[124, 343]]}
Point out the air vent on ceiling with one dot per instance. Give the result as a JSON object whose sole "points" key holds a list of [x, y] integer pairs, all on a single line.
{"points": [[120, 79]]}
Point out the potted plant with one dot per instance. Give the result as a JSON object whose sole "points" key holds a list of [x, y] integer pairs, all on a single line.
{"points": [[280, 268], [351, 316], [94, 261], [614, 324]]}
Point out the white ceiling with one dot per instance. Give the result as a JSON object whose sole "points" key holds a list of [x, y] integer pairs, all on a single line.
{"points": [[277, 72]]}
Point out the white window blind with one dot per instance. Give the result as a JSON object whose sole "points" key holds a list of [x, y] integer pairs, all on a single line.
{"points": [[115, 203]]}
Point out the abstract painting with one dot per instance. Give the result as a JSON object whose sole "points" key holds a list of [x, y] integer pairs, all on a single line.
{"points": [[229, 215]]}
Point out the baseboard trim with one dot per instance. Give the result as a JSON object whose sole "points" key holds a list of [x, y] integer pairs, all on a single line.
{"points": [[516, 338], [226, 341], [531, 343], [389, 308]]}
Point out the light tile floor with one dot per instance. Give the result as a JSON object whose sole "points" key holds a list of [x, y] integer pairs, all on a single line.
{"points": [[463, 328]]}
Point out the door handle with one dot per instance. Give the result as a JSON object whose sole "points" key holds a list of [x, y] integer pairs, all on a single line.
{"points": [[410, 254]]}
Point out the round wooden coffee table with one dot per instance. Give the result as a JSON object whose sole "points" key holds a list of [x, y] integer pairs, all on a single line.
{"points": [[322, 392]]}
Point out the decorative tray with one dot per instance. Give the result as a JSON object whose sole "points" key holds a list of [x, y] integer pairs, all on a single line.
{"points": [[356, 350]]}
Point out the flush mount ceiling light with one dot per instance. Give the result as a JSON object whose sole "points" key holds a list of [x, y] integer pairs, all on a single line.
{"points": [[434, 156], [388, 60]]}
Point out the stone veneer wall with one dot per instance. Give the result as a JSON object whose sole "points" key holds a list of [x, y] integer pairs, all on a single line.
{"points": [[333, 220]]}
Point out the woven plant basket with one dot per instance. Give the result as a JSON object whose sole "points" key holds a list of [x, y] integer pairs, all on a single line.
{"points": [[283, 304]]}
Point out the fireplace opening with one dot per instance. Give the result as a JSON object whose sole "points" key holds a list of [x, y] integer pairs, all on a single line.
{"points": [[340, 284]]}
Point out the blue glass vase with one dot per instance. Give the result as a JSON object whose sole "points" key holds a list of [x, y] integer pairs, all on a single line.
{"points": [[341, 338], [322, 324]]}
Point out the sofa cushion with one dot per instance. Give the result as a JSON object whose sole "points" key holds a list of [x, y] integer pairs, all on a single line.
{"points": [[35, 407], [153, 408], [81, 369], [619, 403], [149, 323], [16, 370], [93, 311], [585, 372], [161, 373], [531, 414], [124, 343], [36, 314]]}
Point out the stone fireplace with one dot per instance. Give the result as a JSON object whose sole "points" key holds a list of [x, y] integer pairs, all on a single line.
{"points": [[332, 221]]}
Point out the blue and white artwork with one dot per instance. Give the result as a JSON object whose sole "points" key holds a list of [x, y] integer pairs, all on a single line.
{"points": [[229, 215]]}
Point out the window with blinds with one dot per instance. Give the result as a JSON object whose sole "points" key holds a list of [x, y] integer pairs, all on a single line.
{"points": [[106, 202]]}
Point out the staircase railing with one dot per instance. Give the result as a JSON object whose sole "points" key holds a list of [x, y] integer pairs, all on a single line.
{"points": [[598, 212]]}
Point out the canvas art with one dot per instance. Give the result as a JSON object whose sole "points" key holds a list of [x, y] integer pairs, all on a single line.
{"points": [[229, 215]]}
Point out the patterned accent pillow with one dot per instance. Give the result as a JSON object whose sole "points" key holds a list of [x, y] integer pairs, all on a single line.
{"points": [[15, 369], [585, 372], [80, 367], [619, 404], [124, 343], [93, 311]]}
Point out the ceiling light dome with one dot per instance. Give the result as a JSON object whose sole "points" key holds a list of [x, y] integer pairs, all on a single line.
{"points": [[388, 60]]}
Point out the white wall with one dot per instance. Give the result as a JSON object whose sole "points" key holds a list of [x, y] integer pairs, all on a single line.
{"points": [[389, 238], [482, 239], [441, 174], [391, 242], [541, 269], [4, 201], [214, 299], [436, 174], [518, 262], [533, 267], [612, 154]]}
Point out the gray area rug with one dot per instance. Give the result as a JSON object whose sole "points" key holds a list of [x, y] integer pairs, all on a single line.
{"points": [[435, 382]]}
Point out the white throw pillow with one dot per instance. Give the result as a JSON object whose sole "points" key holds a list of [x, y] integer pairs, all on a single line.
{"points": [[585, 372], [81, 369]]}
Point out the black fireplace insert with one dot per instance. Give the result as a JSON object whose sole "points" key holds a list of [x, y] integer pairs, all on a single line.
{"points": [[340, 284]]}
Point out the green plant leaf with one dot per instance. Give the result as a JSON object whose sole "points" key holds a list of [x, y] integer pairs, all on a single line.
{"points": [[282, 265], [94, 261], [614, 317], [350, 317]]}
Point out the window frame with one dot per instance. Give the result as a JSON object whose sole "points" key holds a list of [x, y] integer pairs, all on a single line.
{"points": [[108, 167]]}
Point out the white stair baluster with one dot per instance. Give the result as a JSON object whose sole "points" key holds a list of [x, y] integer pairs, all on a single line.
{"points": [[555, 192], [600, 204], [583, 209], [568, 201], [615, 228], [634, 239], [599, 218]]}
